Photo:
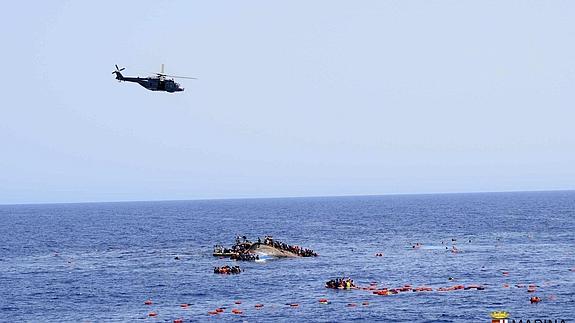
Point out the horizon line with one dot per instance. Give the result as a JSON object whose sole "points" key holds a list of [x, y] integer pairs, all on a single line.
{"points": [[289, 197]]}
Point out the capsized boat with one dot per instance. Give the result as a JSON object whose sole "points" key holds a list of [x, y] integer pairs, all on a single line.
{"points": [[266, 248]]}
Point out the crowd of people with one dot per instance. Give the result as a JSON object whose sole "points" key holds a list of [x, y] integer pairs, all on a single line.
{"points": [[239, 251], [245, 256], [344, 283], [242, 245], [226, 270], [303, 252], [219, 249]]}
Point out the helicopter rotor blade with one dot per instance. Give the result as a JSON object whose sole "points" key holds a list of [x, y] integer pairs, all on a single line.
{"points": [[181, 77], [174, 76]]}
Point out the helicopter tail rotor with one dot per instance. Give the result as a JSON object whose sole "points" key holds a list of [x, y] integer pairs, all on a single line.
{"points": [[119, 75]]}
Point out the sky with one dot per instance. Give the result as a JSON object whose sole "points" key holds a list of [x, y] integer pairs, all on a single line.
{"points": [[293, 98]]}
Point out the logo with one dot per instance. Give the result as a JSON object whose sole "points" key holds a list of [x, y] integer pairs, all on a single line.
{"points": [[503, 317], [499, 317]]}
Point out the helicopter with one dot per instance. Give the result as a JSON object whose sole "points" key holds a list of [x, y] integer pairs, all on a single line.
{"points": [[154, 83]]}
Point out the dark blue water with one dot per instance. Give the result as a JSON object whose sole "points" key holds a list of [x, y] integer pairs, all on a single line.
{"points": [[101, 261]]}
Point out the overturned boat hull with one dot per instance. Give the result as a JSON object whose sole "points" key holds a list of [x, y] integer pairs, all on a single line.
{"points": [[267, 250]]}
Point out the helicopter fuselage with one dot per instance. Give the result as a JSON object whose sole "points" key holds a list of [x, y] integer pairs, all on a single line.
{"points": [[154, 83]]}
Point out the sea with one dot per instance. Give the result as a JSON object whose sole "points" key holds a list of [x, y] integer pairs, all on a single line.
{"points": [[101, 262]]}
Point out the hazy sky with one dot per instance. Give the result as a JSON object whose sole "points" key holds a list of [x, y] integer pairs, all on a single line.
{"points": [[294, 98]]}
